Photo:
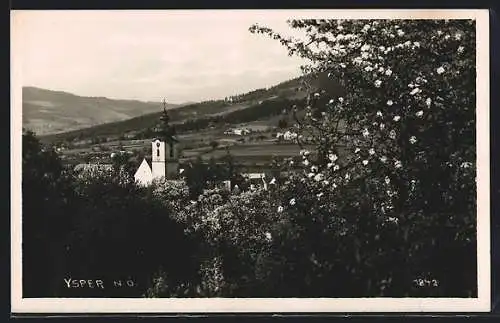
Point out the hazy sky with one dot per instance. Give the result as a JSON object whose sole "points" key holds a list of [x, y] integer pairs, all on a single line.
{"points": [[148, 55]]}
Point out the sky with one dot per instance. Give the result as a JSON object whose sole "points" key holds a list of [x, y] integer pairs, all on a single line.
{"points": [[150, 55]]}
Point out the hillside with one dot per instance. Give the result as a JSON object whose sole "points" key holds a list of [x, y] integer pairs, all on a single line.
{"points": [[205, 129], [247, 107], [49, 112]]}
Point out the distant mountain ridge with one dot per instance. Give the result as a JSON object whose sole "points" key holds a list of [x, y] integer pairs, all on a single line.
{"points": [[50, 112], [253, 105]]}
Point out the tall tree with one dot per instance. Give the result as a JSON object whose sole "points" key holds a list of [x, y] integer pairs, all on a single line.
{"points": [[406, 115]]}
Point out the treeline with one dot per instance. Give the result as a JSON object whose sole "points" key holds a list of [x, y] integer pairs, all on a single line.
{"points": [[265, 110]]}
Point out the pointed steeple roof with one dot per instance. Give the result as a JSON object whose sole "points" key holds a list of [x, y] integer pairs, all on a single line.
{"points": [[167, 131]]}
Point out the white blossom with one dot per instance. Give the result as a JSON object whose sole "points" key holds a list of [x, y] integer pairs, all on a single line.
{"points": [[371, 151], [342, 65], [305, 162], [331, 101], [329, 165], [314, 168], [364, 55], [268, 236], [381, 69], [428, 102], [416, 44], [341, 99], [389, 102], [365, 47], [440, 70], [398, 164], [336, 167], [383, 159], [465, 165], [419, 113], [292, 202], [365, 162], [332, 157], [382, 126], [319, 194], [304, 152], [379, 113], [393, 219], [415, 91], [318, 177], [356, 150], [387, 180], [365, 133], [447, 37], [421, 79], [388, 72], [326, 182], [368, 68], [396, 118], [392, 134], [458, 36], [378, 83], [460, 49], [366, 28], [413, 140], [310, 175], [347, 176]]}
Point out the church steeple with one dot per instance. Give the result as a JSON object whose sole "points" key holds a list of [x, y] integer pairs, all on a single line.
{"points": [[167, 131], [165, 154]]}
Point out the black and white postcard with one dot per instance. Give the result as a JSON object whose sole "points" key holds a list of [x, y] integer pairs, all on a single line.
{"points": [[209, 161]]}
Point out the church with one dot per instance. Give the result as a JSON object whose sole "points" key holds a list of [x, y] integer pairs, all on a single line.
{"points": [[164, 155], [164, 161]]}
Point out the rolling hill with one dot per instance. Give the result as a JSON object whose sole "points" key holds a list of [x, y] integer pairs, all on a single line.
{"points": [[255, 105], [49, 112]]}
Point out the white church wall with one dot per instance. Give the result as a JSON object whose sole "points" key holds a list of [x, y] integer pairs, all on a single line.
{"points": [[143, 176]]}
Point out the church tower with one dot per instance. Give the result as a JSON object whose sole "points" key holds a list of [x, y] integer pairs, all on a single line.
{"points": [[164, 150]]}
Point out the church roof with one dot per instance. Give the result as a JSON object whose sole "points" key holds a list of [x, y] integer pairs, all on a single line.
{"points": [[148, 160]]}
